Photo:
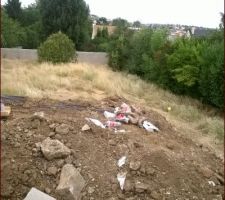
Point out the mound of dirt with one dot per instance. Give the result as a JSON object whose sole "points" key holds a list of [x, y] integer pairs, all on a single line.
{"points": [[162, 165]]}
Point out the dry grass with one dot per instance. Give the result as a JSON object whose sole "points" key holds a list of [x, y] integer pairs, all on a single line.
{"points": [[86, 81]]}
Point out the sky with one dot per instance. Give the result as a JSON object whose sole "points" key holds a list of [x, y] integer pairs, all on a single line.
{"points": [[205, 13]]}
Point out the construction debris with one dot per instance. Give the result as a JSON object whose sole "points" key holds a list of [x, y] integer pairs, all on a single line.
{"points": [[124, 114], [71, 183], [5, 110], [36, 194]]}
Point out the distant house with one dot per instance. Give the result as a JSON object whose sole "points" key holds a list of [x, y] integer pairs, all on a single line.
{"points": [[111, 29]]}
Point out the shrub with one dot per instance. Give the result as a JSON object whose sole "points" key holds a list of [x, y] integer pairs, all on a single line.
{"points": [[58, 48]]}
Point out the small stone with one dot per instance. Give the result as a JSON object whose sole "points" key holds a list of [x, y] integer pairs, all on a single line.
{"points": [[91, 190], [51, 134], [39, 116], [58, 137], [170, 146], [142, 170], [140, 187], [207, 173], [52, 126], [48, 190], [35, 123], [52, 171], [112, 142], [62, 129], [150, 171], [135, 165], [60, 163], [86, 128], [26, 131], [155, 195], [128, 186]]}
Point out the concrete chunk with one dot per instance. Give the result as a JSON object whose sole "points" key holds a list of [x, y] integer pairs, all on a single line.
{"points": [[54, 149], [36, 194], [71, 183]]}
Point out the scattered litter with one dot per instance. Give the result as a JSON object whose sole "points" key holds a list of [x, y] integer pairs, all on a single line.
{"points": [[212, 183], [121, 177], [124, 108], [109, 115], [113, 124], [36, 194], [149, 126], [122, 118], [121, 161], [124, 114], [96, 122]]}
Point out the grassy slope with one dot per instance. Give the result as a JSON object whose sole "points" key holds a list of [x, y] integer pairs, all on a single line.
{"points": [[84, 81]]}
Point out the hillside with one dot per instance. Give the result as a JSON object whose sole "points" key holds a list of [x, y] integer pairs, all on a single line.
{"points": [[183, 160]]}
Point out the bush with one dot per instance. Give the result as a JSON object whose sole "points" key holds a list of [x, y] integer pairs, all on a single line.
{"points": [[58, 48]]}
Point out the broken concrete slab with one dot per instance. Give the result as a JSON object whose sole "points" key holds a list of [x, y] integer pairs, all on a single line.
{"points": [[54, 149], [71, 183], [36, 194]]}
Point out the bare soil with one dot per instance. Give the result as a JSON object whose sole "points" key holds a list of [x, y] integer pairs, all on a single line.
{"points": [[172, 165]]}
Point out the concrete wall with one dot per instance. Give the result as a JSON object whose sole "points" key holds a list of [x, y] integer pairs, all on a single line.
{"points": [[96, 58]]}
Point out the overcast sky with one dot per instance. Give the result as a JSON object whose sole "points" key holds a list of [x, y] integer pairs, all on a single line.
{"points": [[188, 12]]}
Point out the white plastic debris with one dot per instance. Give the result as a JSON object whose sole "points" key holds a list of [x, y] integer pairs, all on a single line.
{"points": [[212, 183], [121, 161], [125, 108], [109, 115], [96, 122], [39, 114], [149, 126], [121, 177]]}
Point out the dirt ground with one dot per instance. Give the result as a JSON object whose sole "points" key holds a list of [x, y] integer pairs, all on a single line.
{"points": [[172, 166]]}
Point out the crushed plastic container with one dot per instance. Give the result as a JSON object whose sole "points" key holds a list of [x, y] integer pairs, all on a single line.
{"points": [[149, 126], [112, 124]]}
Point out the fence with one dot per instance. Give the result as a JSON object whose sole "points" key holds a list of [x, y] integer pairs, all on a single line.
{"points": [[96, 58]]}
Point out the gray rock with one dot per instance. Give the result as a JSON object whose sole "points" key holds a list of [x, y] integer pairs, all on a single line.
{"points": [[48, 190], [135, 165], [52, 171], [62, 129], [54, 149], [140, 187], [86, 128], [150, 171], [71, 183], [91, 190], [58, 137], [39, 116], [52, 126], [36, 194]]}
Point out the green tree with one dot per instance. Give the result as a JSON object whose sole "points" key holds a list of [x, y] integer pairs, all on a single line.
{"points": [[137, 24], [12, 33], [13, 9], [69, 16]]}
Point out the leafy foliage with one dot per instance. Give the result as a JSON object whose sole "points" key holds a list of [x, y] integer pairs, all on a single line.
{"points": [[13, 9], [68, 16], [58, 48]]}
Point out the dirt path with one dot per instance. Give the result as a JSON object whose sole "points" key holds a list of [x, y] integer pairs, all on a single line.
{"points": [[171, 166]]}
